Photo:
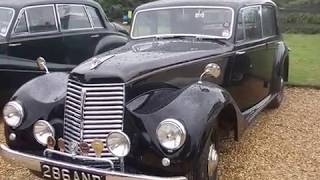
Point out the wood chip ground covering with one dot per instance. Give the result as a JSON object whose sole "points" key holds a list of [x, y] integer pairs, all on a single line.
{"points": [[281, 144]]}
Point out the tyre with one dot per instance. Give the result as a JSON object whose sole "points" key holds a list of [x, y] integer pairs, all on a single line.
{"points": [[276, 102], [207, 166]]}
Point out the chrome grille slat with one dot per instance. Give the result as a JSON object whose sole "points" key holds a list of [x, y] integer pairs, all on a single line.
{"points": [[103, 117], [88, 108], [92, 111], [102, 112]]}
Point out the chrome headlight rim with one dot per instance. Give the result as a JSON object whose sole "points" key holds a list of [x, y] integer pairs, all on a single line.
{"points": [[19, 108], [127, 140], [180, 126], [50, 128]]}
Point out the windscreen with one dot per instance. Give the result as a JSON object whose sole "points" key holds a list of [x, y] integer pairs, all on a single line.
{"points": [[215, 22]]}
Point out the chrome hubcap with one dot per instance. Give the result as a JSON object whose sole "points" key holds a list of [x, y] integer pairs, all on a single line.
{"points": [[212, 160]]}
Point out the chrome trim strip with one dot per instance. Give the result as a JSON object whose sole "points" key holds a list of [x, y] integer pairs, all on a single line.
{"points": [[33, 162], [45, 153], [186, 7], [10, 22]]}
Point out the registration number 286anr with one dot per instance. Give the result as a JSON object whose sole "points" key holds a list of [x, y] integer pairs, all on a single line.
{"points": [[58, 173]]}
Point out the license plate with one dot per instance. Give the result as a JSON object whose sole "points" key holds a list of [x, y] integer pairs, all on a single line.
{"points": [[54, 172]]}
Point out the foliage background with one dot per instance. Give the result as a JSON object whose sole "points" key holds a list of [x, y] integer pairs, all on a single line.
{"points": [[296, 16]]}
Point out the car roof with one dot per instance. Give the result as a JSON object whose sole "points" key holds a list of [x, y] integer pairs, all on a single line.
{"points": [[235, 4], [19, 4]]}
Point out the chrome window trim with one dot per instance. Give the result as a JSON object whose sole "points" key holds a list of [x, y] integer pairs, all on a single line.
{"points": [[186, 7], [10, 22], [27, 21], [75, 29], [92, 23]]}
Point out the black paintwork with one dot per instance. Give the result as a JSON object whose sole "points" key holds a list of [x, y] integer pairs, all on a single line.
{"points": [[63, 50], [161, 79]]}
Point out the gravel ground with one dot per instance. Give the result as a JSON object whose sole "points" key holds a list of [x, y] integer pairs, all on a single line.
{"points": [[281, 144]]}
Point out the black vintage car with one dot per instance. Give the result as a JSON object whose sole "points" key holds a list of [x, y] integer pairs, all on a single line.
{"points": [[193, 72], [64, 32]]}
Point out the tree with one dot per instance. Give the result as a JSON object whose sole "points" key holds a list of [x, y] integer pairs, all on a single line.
{"points": [[115, 9]]}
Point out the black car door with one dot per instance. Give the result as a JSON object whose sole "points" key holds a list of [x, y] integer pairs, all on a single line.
{"points": [[82, 29], [252, 66], [36, 34]]}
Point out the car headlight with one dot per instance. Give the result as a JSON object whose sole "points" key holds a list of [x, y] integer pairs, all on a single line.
{"points": [[41, 131], [118, 144], [171, 134], [13, 114]]}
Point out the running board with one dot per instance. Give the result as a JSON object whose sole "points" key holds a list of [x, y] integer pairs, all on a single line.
{"points": [[251, 113]]}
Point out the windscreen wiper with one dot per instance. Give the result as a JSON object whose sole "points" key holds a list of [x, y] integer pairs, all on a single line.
{"points": [[219, 40]]}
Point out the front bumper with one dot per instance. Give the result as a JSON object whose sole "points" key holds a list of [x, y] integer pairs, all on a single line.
{"points": [[33, 162]]}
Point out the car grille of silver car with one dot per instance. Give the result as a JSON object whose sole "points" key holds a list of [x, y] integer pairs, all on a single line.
{"points": [[92, 111]]}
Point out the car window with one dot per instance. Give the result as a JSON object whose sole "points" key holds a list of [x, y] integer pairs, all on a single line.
{"points": [[22, 26], [73, 17], [249, 27], [214, 22], [6, 16], [269, 21], [94, 14], [41, 19]]}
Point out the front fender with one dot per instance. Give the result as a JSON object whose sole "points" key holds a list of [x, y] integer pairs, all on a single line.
{"points": [[196, 107], [41, 98]]}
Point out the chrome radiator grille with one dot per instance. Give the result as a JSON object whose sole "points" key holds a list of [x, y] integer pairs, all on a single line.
{"points": [[92, 111]]}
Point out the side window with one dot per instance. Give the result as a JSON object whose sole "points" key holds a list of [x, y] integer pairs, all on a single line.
{"points": [[21, 26], [240, 27], [250, 24], [94, 14], [41, 19], [73, 17], [269, 21]]}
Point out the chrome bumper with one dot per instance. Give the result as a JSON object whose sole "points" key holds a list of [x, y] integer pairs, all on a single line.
{"points": [[33, 162]]}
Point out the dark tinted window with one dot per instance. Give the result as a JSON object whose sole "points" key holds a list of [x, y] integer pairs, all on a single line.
{"points": [[22, 24], [41, 19], [269, 21], [73, 17], [94, 14], [249, 26]]}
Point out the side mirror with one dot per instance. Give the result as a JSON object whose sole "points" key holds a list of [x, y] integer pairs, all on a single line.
{"points": [[120, 28], [42, 64], [211, 69]]}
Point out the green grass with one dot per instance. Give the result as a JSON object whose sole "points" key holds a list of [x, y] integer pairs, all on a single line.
{"points": [[304, 59]]}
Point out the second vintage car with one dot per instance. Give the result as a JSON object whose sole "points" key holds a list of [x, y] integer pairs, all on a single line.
{"points": [[156, 108], [64, 32]]}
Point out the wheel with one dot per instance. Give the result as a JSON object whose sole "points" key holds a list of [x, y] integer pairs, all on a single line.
{"points": [[276, 102], [207, 166]]}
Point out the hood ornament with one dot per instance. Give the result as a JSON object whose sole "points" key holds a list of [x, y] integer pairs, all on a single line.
{"points": [[97, 61]]}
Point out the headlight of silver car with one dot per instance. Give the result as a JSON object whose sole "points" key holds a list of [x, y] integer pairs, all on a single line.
{"points": [[13, 114], [118, 144], [171, 134], [41, 131]]}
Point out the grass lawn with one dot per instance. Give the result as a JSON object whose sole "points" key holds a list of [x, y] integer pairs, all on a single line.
{"points": [[304, 59]]}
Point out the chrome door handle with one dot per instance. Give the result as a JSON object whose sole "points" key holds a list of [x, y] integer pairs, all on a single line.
{"points": [[15, 44], [240, 52], [95, 36]]}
